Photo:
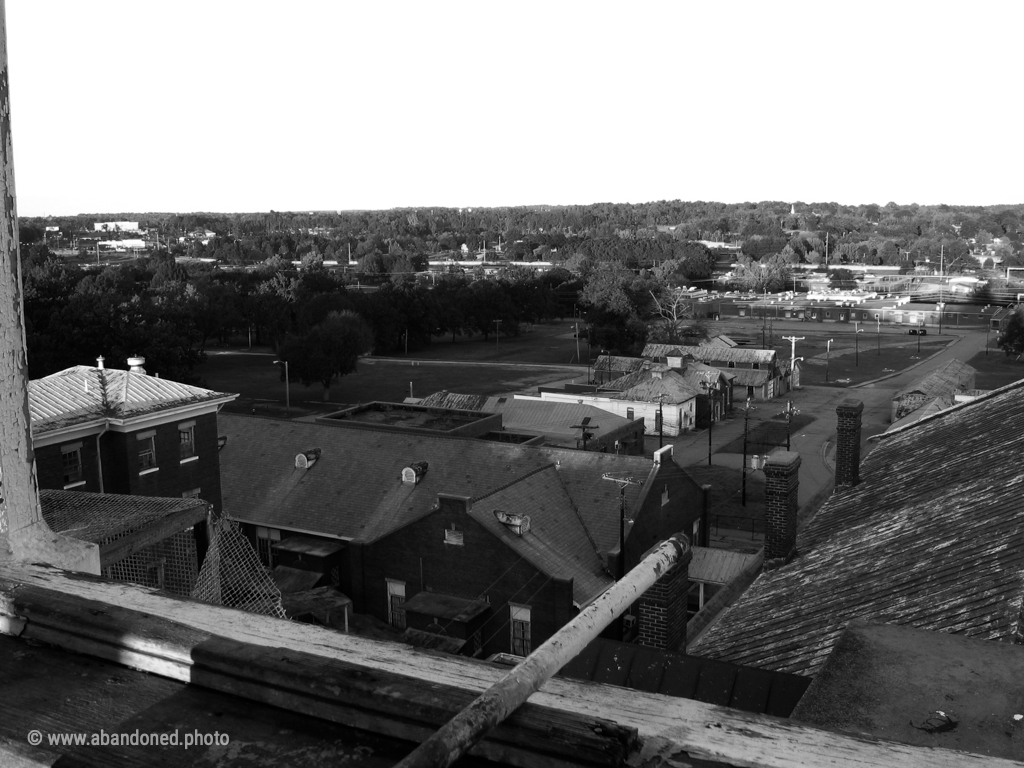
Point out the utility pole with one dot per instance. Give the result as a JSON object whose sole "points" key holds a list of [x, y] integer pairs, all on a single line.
{"points": [[828, 349], [497, 324], [623, 483], [746, 416], [710, 389], [878, 335]]}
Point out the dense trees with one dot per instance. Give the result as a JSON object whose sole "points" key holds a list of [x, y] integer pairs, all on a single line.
{"points": [[1011, 341]]}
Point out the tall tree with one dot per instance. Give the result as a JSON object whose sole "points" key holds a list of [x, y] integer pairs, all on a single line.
{"points": [[328, 350]]}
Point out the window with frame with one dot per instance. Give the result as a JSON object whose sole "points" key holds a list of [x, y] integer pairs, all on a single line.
{"points": [[519, 618], [265, 540], [186, 440], [396, 603], [147, 451], [71, 460]]}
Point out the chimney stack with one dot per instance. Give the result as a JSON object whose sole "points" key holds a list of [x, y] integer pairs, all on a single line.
{"points": [[848, 443], [135, 364], [663, 608], [781, 484]]}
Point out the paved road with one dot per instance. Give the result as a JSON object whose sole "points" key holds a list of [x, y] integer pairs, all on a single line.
{"points": [[816, 442]]}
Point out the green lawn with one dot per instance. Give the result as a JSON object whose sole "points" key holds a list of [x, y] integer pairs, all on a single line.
{"points": [[996, 369]]}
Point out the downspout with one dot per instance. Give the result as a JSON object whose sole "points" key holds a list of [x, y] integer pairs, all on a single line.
{"points": [[99, 454]]}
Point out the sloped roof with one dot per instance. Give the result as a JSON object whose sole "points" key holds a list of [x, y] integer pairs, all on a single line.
{"points": [[749, 377], [931, 407], [100, 517], [648, 386], [951, 377], [696, 373], [712, 353], [718, 566], [85, 394], [721, 340], [553, 419], [557, 543], [454, 401], [618, 363], [354, 490], [931, 538]]}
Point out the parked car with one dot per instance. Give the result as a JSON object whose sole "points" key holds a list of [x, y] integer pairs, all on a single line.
{"points": [[918, 331]]}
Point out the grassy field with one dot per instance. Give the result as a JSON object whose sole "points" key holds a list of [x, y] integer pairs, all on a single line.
{"points": [[996, 369], [519, 367]]}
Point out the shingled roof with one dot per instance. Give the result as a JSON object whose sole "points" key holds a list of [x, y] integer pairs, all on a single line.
{"points": [[648, 386], [354, 489], [558, 543], [954, 376], [84, 394], [454, 401], [712, 353], [932, 537]]}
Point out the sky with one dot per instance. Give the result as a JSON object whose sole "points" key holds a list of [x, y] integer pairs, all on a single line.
{"points": [[230, 106]]}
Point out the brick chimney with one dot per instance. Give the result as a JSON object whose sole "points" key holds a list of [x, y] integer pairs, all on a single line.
{"points": [[781, 484], [663, 609], [848, 443]]}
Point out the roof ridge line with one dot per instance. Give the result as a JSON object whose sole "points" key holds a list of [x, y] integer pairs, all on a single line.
{"points": [[510, 483]]}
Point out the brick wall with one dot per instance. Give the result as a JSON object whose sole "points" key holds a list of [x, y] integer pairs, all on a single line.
{"points": [[50, 465], [121, 466], [663, 609], [848, 443], [781, 486], [658, 517], [482, 567]]}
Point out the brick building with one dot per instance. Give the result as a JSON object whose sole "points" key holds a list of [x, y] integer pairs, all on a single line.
{"points": [[514, 539], [104, 430]]}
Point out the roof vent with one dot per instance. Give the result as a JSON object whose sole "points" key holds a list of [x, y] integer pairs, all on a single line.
{"points": [[99, 362], [135, 364], [518, 524], [307, 459], [412, 474]]}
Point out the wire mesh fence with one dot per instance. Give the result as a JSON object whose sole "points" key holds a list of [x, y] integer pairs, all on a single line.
{"points": [[171, 564], [232, 574]]}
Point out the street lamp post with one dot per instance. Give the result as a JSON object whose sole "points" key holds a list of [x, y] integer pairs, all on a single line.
{"points": [[828, 348], [746, 416], [287, 386], [941, 306], [710, 389], [878, 335], [497, 325], [988, 329], [789, 413], [856, 346], [919, 327]]}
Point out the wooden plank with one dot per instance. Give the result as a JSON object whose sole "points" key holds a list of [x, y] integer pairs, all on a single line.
{"points": [[671, 731], [119, 549], [167, 648]]}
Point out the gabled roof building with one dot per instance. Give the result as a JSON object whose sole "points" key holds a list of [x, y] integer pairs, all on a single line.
{"points": [[533, 527]]}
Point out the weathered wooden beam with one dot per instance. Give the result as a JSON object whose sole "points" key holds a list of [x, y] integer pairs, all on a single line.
{"points": [[672, 731], [119, 549], [334, 689], [501, 700]]}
